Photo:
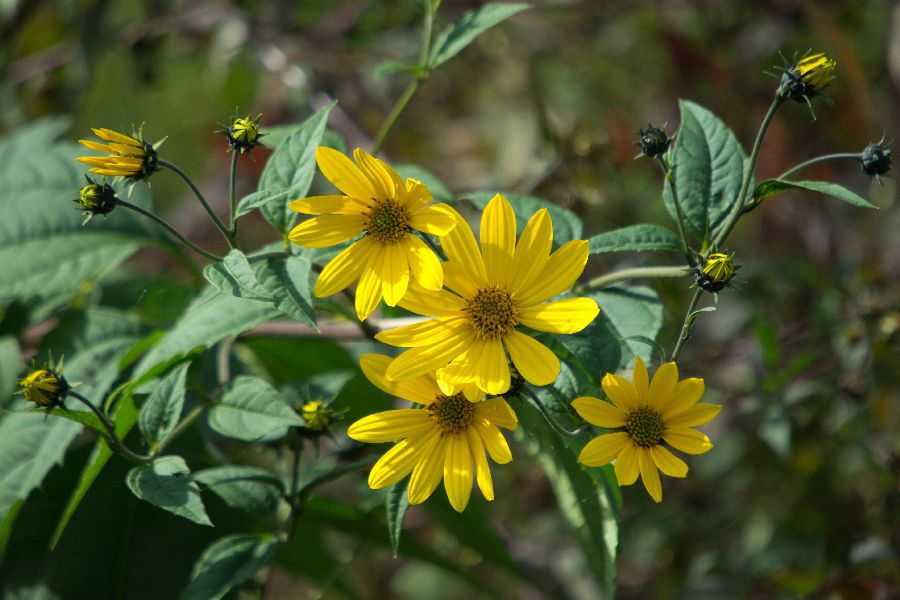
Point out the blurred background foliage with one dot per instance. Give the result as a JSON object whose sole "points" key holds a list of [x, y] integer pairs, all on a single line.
{"points": [[800, 496]]}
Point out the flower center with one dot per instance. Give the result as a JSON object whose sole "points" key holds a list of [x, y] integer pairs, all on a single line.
{"points": [[645, 426], [491, 313], [453, 414], [388, 221]]}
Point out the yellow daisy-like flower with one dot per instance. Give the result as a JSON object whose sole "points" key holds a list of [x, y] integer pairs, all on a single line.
{"points": [[128, 156], [444, 440], [379, 204], [492, 292], [44, 388], [646, 414]]}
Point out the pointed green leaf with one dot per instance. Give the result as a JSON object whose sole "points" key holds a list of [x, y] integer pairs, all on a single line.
{"points": [[467, 27], [249, 489], [252, 410], [167, 483], [772, 187], [235, 276], [286, 281], [161, 412], [396, 505], [228, 562], [630, 312], [636, 238]]}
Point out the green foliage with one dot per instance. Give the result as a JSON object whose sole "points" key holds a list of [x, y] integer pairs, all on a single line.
{"points": [[252, 410], [773, 187], [250, 489], [235, 276], [229, 562], [636, 238], [467, 27], [286, 280], [167, 483], [161, 411], [395, 507]]}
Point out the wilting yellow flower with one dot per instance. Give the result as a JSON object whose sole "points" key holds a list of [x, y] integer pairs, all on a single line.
{"points": [[44, 388], [444, 440], [379, 204], [807, 78], [128, 156], [492, 291], [646, 414]]}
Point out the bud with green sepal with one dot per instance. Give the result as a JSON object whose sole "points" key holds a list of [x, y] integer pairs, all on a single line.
{"points": [[653, 142], [243, 133], [96, 199], [805, 79], [876, 160], [714, 274]]}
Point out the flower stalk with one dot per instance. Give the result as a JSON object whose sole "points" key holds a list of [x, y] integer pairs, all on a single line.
{"points": [[165, 224], [212, 215]]}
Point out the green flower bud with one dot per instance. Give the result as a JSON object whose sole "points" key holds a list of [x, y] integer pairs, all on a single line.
{"points": [[44, 388], [807, 78], [716, 272], [317, 415], [876, 159], [96, 199], [243, 134], [653, 141]]}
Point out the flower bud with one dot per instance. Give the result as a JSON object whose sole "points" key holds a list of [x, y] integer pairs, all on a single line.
{"points": [[807, 78], [653, 141], [96, 199], [716, 272], [45, 388], [317, 416], [876, 159], [243, 134]]}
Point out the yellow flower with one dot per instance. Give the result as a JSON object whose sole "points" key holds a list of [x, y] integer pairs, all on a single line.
{"points": [[44, 388], [807, 78], [492, 291], [444, 440], [646, 415], [128, 156], [378, 203], [316, 415]]}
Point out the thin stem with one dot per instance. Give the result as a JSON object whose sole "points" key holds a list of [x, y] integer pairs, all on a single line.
{"points": [[686, 325], [430, 243], [232, 200], [556, 426], [669, 174], [838, 156], [410, 92], [182, 426], [738, 209], [293, 499], [223, 360], [168, 228], [114, 442], [212, 215], [634, 273]]}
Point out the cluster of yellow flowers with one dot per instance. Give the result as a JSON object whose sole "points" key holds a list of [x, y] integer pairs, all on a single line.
{"points": [[476, 301]]}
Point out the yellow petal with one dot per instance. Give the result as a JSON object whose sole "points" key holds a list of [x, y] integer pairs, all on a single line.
{"points": [[432, 304], [604, 449], [113, 172], [461, 249], [328, 205], [499, 412], [327, 230], [687, 393], [114, 136], [626, 465], [494, 441], [641, 380], [662, 388], [694, 416], [345, 176], [380, 180], [687, 440], [343, 269], [492, 373], [418, 389], [563, 268], [621, 392], [532, 252], [597, 412], [424, 264], [394, 274], [415, 195], [437, 219], [498, 239], [561, 316], [97, 161], [425, 333], [96, 146], [668, 463], [650, 475], [428, 471], [482, 469], [395, 464], [391, 425], [368, 291], [456, 279], [458, 471], [419, 361], [534, 361]]}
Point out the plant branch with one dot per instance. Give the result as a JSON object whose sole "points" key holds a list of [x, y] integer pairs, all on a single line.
{"points": [[112, 438], [669, 175], [634, 273], [232, 199], [550, 420], [169, 228], [686, 325], [838, 156], [190, 183]]}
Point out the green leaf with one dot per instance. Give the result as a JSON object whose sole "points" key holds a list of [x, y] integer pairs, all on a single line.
{"points": [[211, 317], [86, 418], [631, 312], [636, 238], [228, 562], [252, 410], [708, 165], [125, 416], [286, 281], [167, 483], [161, 412], [394, 66], [396, 505], [566, 225], [773, 187], [437, 188], [249, 489], [235, 276], [10, 366], [288, 173], [467, 27]]}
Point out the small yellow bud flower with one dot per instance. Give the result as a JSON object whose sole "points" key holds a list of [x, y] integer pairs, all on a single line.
{"points": [[807, 78], [96, 199], [44, 388], [129, 157], [716, 272], [243, 134], [316, 415]]}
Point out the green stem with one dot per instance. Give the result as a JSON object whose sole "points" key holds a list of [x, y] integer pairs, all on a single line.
{"points": [[410, 92], [168, 228], [190, 183], [686, 325], [738, 209], [634, 273], [182, 426], [232, 200], [839, 156], [550, 420], [679, 220], [112, 438]]}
